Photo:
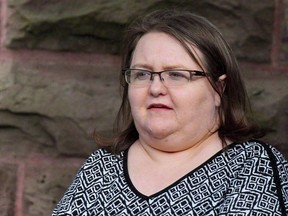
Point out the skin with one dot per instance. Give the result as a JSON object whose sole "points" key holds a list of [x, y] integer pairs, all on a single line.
{"points": [[179, 135]]}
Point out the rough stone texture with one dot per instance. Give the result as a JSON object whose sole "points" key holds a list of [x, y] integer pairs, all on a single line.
{"points": [[96, 26], [46, 182], [49, 108], [58, 104], [269, 99], [8, 174], [284, 45], [281, 125]]}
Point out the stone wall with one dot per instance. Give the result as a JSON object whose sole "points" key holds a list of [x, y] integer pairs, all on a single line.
{"points": [[59, 64]]}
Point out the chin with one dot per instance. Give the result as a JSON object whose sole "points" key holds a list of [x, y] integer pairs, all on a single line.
{"points": [[169, 149], [159, 133]]}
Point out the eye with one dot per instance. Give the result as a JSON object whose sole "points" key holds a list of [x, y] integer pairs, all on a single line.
{"points": [[178, 75], [141, 75]]}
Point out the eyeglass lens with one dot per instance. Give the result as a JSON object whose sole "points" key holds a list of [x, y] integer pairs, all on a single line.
{"points": [[169, 78]]}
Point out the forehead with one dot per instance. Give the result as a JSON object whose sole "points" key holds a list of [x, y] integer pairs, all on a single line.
{"points": [[156, 48]]}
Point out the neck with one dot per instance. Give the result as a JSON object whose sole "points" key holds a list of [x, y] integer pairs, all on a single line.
{"points": [[199, 151]]}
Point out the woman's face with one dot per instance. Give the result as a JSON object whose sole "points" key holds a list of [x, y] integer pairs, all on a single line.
{"points": [[175, 117]]}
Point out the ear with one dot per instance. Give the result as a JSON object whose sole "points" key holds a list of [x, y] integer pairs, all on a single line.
{"points": [[221, 83]]}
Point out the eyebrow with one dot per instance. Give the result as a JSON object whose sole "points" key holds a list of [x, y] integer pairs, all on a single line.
{"points": [[168, 67], [141, 66]]}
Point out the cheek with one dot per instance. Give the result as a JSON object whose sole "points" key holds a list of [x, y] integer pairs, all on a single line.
{"points": [[135, 98], [129, 96], [210, 96], [198, 104], [132, 94], [131, 101], [132, 104]]}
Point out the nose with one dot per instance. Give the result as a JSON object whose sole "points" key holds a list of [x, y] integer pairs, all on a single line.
{"points": [[157, 86], [157, 74]]}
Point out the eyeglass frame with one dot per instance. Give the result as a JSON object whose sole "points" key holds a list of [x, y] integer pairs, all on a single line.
{"points": [[192, 73]]}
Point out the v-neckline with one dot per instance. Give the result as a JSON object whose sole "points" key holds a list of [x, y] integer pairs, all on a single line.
{"points": [[165, 189]]}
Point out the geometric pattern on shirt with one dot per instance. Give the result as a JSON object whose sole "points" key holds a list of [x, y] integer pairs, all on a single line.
{"points": [[238, 181]]}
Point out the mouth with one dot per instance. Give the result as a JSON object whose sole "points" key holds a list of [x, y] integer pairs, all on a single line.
{"points": [[159, 106]]}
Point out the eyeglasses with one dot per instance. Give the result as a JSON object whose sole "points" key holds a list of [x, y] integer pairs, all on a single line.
{"points": [[139, 77]]}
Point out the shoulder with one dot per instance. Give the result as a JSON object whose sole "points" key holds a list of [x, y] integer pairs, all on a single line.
{"points": [[255, 156], [257, 170], [102, 158], [97, 172], [256, 149], [103, 154], [99, 166]]}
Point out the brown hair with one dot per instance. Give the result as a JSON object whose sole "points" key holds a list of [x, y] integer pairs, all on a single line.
{"points": [[190, 29]]}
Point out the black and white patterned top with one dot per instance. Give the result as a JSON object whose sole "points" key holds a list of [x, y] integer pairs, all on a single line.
{"points": [[248, 178]]}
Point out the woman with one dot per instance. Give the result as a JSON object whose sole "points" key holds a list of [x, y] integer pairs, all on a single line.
{"points": [[186, 144]]}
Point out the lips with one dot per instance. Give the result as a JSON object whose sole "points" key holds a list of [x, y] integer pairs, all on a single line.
{"points": [[159, 106]]}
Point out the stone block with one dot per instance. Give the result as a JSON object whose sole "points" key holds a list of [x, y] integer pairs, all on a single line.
{"points": [[97, 26], [44, 106], [8, 182]]}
